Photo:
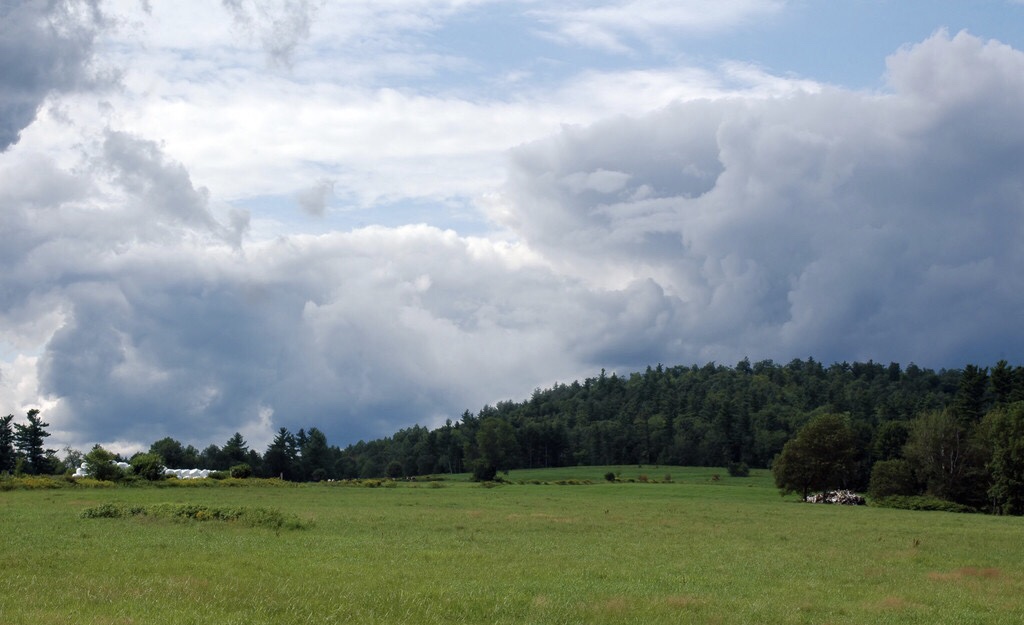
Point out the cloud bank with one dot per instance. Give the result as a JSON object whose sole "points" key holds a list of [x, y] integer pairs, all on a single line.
{"points": [[828, 223]]}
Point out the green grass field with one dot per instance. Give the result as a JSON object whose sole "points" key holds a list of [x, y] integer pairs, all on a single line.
{"points": [[696, 550]]}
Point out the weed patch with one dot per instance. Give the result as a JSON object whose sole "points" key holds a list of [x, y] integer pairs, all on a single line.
{"points": [[247, 516], [32, 482]]}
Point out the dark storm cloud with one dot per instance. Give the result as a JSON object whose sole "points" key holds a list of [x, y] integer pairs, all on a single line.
{"points": [[47, 46]]}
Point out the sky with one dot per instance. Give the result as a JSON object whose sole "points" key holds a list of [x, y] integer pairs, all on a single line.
{"points": [[243, 215]]}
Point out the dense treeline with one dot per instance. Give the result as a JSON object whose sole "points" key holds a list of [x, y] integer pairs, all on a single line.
{"points": [[712, 415]]}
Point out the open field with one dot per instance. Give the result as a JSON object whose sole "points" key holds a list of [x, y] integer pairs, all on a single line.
{"points": [[695, 550]]}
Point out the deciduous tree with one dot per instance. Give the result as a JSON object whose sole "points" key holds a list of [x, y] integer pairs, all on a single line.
{"points": [[99, 463], [820, 457], [1006, 432]]}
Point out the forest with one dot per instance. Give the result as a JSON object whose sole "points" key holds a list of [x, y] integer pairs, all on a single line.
{"points": [[953, 434]]}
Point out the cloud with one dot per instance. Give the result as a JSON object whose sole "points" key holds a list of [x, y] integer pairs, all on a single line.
{"points": [[619, 26], [281, 25], [314, 200], [48, 46], [836, 223], [791, 223]]}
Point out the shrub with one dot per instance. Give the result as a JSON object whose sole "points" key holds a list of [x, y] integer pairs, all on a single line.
{"points": [[148, 466], [99, 463], [240, 471], [610, 476], [738, 469], [920, 502], [484, 471], [250, 517], [29, 482]]}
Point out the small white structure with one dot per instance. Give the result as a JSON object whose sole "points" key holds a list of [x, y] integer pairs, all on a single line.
{"points": [[187, 474]]}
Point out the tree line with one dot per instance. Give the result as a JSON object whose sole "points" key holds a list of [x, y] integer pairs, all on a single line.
{"points": [[901, 419]]}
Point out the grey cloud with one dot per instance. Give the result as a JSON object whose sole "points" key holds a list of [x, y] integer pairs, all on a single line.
{"points": [[357, 333], [47, 46], [281, 25], [161, 193], [314, 200], [838, 224]]}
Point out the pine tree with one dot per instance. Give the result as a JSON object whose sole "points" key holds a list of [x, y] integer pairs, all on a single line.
{"points": [[28, 439], [6, 444]]}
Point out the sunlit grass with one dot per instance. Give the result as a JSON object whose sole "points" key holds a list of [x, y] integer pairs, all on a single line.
{"points": [[695, 550]]}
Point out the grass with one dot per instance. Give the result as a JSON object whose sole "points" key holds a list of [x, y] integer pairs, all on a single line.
{"points": [[693, 550]]}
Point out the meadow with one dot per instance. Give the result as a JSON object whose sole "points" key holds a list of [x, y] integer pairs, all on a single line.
{"points": [[702, 548]]}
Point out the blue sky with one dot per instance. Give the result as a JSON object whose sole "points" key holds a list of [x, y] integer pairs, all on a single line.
{"points": [[364, 215]]}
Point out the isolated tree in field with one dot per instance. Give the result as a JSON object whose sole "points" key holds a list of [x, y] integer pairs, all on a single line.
{"points": [[820, 457], [6, 444], [28, 439]]}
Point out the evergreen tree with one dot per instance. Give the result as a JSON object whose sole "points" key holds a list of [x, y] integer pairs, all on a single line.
{"points": [[7, 455], [281, 458], [316, 456], [28, 439], [235, 450]]}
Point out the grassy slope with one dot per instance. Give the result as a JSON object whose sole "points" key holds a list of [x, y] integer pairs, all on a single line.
{"points": [[692, 551]]}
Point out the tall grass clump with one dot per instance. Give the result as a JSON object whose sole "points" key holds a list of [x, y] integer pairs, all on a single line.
{"points": [[243, 515]]}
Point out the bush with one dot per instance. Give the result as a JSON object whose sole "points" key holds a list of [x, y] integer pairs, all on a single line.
{"points": [[99, 463], [240, 471], [484, 471], [148, 466], [920, 502], [738, 469], [610, 476], [250, 517], [29, 482]]}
